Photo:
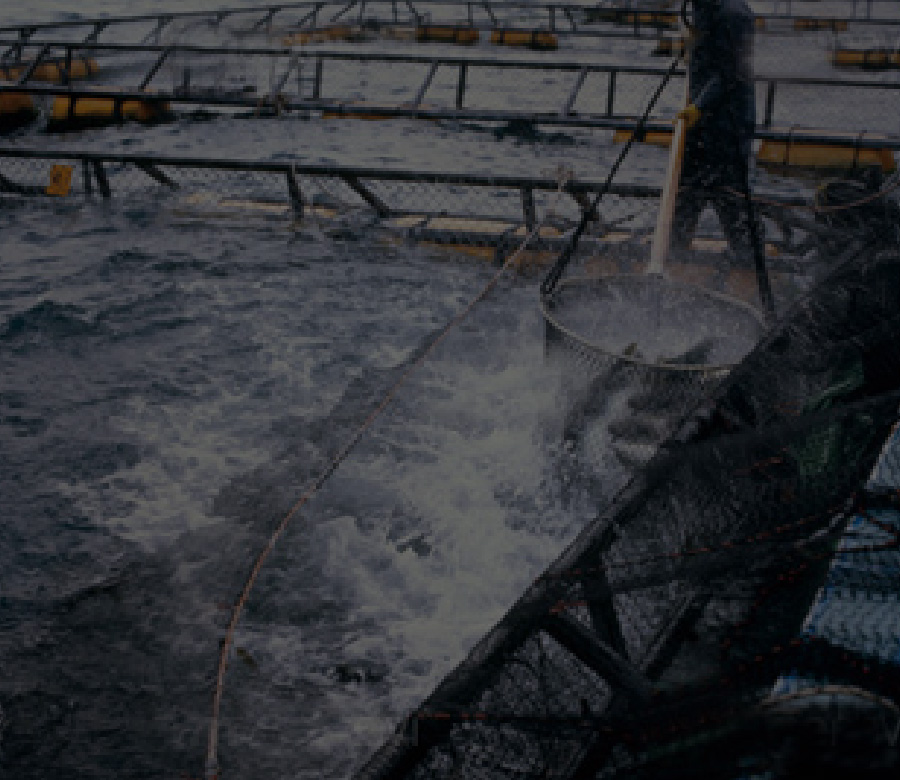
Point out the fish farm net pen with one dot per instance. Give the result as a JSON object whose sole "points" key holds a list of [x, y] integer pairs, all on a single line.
{"points": [[668, 620], [211, 762]]}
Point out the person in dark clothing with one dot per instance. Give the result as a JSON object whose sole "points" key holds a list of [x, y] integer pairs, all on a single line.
{"points": [[720, 120]]}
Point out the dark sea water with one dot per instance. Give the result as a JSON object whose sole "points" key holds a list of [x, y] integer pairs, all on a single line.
{"points": [[168, 388]]}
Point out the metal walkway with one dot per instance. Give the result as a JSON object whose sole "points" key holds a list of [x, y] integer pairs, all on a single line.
{"points": [[587, 94], [570, 19]]}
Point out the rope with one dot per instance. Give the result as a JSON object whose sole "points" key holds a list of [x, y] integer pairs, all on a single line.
{"points": [[552, 279], [212, 767], [815, 208]]}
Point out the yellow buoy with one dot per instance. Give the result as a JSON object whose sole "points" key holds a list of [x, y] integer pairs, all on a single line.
{"points": [[816, 25], [71, 112], [60, 180], [532, 39], [800, 157], [657, 138], [669, 47], [337, 32], [16, 110], [460, 35], [52, 72], [655, 18], [865, 58]]}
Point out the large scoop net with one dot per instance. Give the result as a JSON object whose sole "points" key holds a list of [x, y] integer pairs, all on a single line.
{"points": [[657, 636]]}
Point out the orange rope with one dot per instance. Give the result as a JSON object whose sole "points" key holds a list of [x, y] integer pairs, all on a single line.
{"points": [[212, 768]]}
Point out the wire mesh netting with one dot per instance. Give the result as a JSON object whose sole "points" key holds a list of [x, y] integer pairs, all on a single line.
{"points": [[691, 587]]}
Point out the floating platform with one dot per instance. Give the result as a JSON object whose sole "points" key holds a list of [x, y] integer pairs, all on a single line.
{"points": [[789, 156]]}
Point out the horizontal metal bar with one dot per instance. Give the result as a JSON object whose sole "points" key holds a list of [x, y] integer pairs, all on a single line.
{"points": [[519, 6], [842, 139], [302, 169], [456, 60]]}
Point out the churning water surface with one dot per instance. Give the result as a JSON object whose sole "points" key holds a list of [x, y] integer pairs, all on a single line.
{"points": [[167, 391]]}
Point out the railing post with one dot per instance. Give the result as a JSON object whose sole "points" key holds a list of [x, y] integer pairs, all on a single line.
{"points": [[770, 104], [317, 83], [528, 208], [461, 85], [611, 94], [102, 180], [295, 192]]}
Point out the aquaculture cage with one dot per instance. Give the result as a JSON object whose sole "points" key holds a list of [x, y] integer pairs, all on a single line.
{"points": [[652, 646]]}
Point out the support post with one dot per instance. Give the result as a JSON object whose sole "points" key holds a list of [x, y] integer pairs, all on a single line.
{"points": [[86, 177], [157, 175], [102, 180], [381, 208], [33, 65], [266, 20], [65, 76], [99, 27], [154, 33], [317, 82], [429, 77], [343, 10], [490, 12], [770, 103], [620, 673], [461, 85], [155, 69], [295, 192], [528, 208], [611, 93], [573, 95]]}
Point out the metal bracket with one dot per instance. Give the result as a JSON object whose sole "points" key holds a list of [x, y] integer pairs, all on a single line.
{"points": [[427, 83], [381, 208], [33, 65], [161, 24], [99, 27], [598, 656], [344, 10], [155, 173], [155, 68], [573, 95], [266, 20]]}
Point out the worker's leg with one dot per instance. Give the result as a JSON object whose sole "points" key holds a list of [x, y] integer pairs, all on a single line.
{"points": [[734, 214], [691, 199]]}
